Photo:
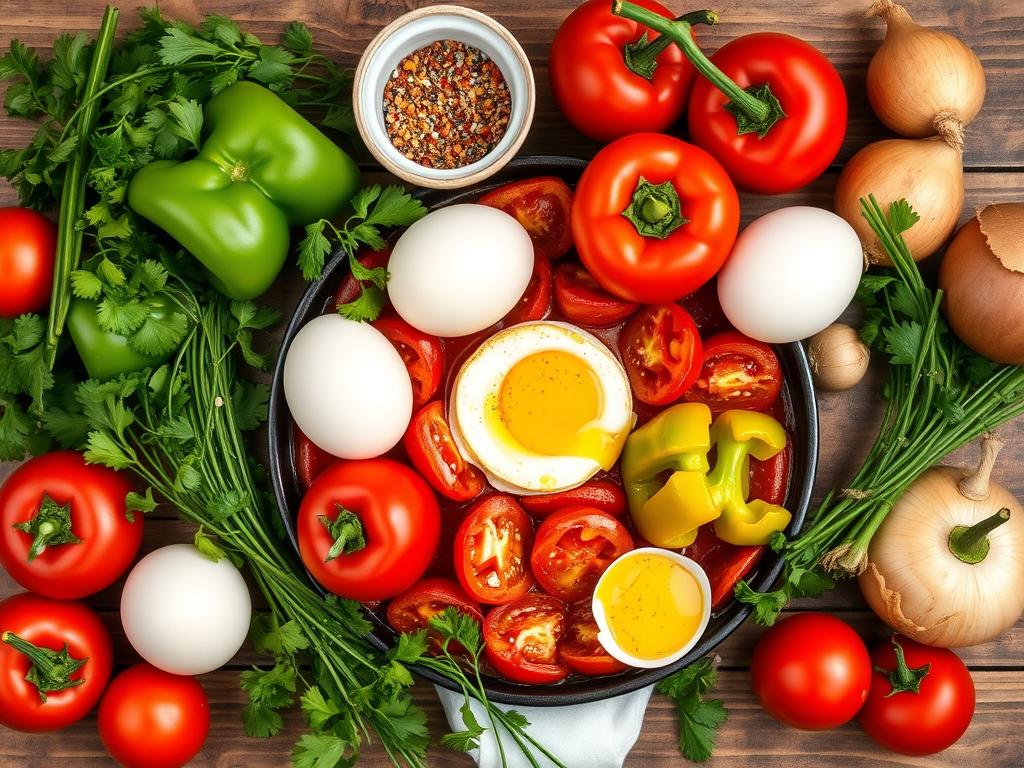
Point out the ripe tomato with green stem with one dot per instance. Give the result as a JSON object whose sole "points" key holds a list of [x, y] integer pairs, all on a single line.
{"points": [[769, 106], [55, 662]]}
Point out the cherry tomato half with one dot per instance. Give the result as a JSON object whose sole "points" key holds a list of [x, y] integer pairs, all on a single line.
{"points": [[421, 352], [310, 458], [928, 712], [811, 671], [583, 301], [28, 245], [536, 301], [662, 352], [393, 509], [738, 372], [603, 495], [580, 649], [491, 548], [413, 609], [542, 206], [573, 547], [521, 639], [433, 452]]}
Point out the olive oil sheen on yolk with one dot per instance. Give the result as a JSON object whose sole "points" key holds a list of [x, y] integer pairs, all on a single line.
{"points": [[653, 605]]}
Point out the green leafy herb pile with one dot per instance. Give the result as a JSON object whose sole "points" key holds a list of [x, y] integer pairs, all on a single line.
{"points": [[939, 396]]}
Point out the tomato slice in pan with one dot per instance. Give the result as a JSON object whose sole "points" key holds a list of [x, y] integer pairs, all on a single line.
{"points": [[583, 301], [738, 372], [769, 479], [521, 639], [413, 609], [433, 452], [662, 353], [580, 649], [310, 459], [542, 206], [350, 288], [599, 494], [536, 301], [421, 352], [573, 548], [491, 548]]}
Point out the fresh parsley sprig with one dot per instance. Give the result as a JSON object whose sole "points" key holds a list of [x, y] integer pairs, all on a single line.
{"points": [[374, 208], [699, 717]]}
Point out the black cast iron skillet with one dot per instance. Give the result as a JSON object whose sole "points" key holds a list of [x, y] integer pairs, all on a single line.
{"points": [[798, 394]]}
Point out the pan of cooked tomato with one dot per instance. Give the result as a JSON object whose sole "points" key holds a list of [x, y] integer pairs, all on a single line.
{"points": [[534, 450]]}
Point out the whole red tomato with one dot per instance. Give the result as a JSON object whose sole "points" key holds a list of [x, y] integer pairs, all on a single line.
{"points": [[421, 352], [654, 218], [68, 646], [604, 80], [153, 719], [811, 671], [521, 639], [368, 529], [921, 699], [64, 531], [28, 244], [492, 549], [798, 146], [542, 206]]}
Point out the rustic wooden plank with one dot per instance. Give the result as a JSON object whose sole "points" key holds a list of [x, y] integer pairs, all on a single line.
{"points": [[839, 28]]}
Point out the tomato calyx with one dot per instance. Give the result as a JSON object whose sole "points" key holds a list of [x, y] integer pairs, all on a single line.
{"points": [[903, 679], [756, 109], [49, 527], [655, 209], [347, 532], [641, 56], [51, 670]]}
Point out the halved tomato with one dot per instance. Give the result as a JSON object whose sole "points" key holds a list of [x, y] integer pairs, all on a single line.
{"points": [[573, 548], [580, 649], [310, 459], [350, 288], [583, 301], [662, 353], [413, 609], [433, 452], [521, 639], [421, 352], [491, 548], [536, 301], [599, 494], [738, 372], [542, 206]]}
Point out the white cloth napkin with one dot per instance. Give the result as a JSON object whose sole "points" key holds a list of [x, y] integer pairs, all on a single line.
{"points": [[595, 735]]}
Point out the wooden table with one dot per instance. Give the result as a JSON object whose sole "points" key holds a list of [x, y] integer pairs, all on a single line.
{"points": [[995, 172]]}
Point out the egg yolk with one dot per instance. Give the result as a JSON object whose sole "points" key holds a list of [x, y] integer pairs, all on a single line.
{"points": [[653, 605], [550, 403]]}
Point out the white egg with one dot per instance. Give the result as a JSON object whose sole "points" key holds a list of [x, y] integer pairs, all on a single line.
{"points": [[541, 407], [184, 613], [791, 273], [459, 269], [347, 387]]}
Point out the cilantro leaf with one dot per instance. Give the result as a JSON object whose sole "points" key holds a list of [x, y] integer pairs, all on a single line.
{"points": [[313, 250], [16, 428], [469, 739], [159, 335], [268, 635], [187, 116], [453, 625], [101, 449], [227, 504], [699, 718], [366, 307], [767, 605], [903, 342], [273, 66], [324, 750], [250, 401], [85, 284], [901, 216], [178, 46], [269, 691], [207, 548], [298, 39], [135, 502]]}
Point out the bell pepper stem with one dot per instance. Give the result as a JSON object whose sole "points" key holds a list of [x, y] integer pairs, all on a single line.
{"points": [[50, 670], [754, 113], [346, 531], [970, 544], [641, 56], [904, 679], [50, 526], [655, 209]]}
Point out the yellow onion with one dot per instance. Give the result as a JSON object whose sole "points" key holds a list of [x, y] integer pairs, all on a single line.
{"points": [[838, 358], [947, 566], [919, 72], [926, 172], [982, 277]]}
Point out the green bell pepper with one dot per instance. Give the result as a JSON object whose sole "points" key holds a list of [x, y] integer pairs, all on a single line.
{"points": [[106, 354], [261, 169]]}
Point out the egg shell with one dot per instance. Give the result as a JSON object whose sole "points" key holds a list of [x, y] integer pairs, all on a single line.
{"points": [[791, 273], [347, 387], [184, 613], [459, 269]]}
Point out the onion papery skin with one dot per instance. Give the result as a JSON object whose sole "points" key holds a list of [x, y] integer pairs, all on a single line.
{"points": [[926, 172], [918, 72], [919, 588], [984, 300]]}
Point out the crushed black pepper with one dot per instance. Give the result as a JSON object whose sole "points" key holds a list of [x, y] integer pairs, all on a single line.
{"points": [[446, 105]]}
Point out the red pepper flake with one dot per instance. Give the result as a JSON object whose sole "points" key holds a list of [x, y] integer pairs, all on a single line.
{"points": [[446, 105]]}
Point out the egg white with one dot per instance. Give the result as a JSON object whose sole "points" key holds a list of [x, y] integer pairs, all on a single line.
{"points": [[508, 465]]}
